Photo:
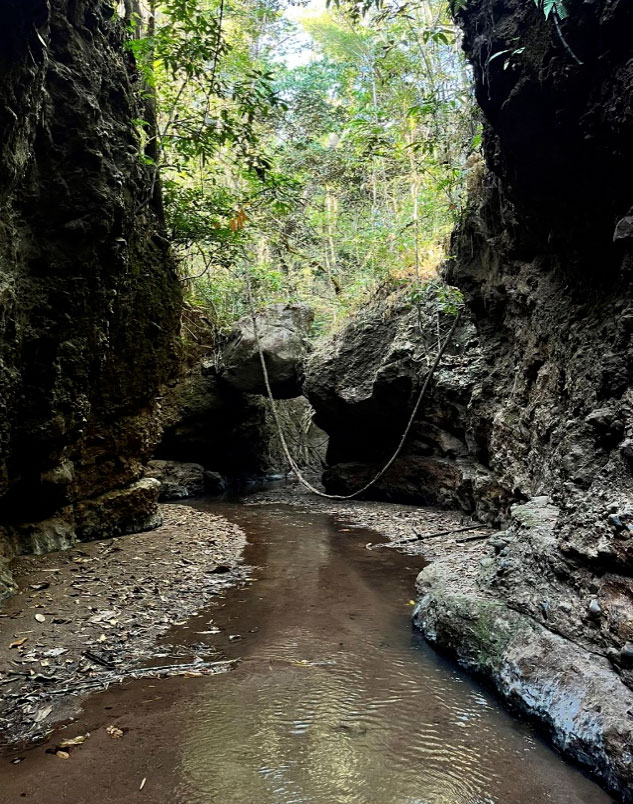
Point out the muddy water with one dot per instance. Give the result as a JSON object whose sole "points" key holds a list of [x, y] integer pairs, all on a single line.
{"points": [[335, 700]]}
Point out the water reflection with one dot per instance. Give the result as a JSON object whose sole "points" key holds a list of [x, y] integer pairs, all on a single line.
{"points": [[335, 702]]}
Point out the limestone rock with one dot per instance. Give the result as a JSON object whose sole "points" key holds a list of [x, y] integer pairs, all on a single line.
{"points": [[363, 384], [127, 510], [283, 331]]}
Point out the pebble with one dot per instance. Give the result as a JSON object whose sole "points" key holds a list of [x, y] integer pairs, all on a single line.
{"points": [[595, 609], [627, 652]]}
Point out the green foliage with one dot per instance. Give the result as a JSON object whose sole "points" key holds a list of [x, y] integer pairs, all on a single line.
{"points": [[329, 180], [548, 7], [445, 298]]}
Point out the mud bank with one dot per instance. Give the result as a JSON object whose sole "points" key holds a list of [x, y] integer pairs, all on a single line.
{"points": [[86, 617]]}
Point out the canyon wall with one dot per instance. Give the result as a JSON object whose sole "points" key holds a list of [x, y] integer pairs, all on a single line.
{"points": [[89, 300], [542, 403]]}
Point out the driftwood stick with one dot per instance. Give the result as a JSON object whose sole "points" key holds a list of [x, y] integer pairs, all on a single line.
{"points": [[477, 537], [106, 679], [422, 537]]}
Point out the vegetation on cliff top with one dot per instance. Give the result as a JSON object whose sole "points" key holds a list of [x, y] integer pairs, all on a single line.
{"points": [[323, 150]]}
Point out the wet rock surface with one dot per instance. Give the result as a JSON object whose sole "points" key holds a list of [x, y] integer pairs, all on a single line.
{"points": [[83, 619], [535, 641]]}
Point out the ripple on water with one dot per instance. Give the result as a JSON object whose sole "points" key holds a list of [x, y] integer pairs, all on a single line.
{"points": [[336, 704]]}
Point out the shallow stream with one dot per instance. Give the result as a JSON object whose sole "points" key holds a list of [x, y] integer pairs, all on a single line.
{"points": [[335, 701]]}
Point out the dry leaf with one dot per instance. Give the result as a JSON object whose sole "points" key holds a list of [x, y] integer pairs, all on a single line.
{"points": [[75, 741], [62, 754], [43, 713], [102, 638], [40, 618], [115, 733], [18, 642]]}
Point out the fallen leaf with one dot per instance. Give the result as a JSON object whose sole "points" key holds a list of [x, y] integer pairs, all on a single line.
{"points": [[115, 733], [62, 754], [54, 652], [18, 642], [102, 638], [40, 618], [75, 741], [43, 713]]}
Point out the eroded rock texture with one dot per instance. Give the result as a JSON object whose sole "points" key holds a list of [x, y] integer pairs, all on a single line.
{"points": [[89, 301], [544, 259], [281, 333], [216, 412], [209, 423], [363, 385]]}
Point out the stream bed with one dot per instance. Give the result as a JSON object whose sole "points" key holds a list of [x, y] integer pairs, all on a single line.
{"points": [[335, 701]]}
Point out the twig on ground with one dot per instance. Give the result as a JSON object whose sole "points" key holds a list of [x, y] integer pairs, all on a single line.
{"points": [[106, 679], [422, 537], [477, 537]]}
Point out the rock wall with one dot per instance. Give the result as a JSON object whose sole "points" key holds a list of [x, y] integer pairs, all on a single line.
{"points": [[363, 385], [89, 302], [544, 258], [208, 422], [232, 435]]}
